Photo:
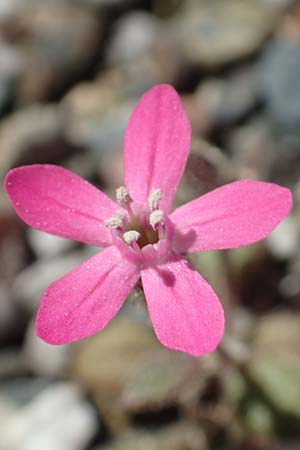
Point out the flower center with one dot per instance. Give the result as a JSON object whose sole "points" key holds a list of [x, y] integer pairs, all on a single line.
{"points": [[137, 226]]}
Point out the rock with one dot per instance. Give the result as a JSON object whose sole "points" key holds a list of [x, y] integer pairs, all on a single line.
{"points": [[42, 359], [34, 280], [207, 168], [98, 114], [211, 34], [12, 364], [237, 96], [278, 4], [119, 348], [12, 318], [21, 391], [112, 4], [13, 249], [13, 258], [8, 8], [58, 41], [252, 148], [57, 418], [275, 361], [10, 69], [182, 436], [283, 241], [134, 35], [47, 245], [142, 48], [223, 102], [159, 380], [259, 418], [33, 135], [280, 84]]}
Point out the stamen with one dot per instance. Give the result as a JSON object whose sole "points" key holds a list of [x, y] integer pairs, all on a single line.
{"points": [[154, 199], [156, 217], [123, 197], [116, 221], [131, 237]]}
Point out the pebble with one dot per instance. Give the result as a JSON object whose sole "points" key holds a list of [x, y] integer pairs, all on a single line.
{"points": [[47, 245], [12, 318], [275, 361], [34, 280], [280, 84], [57, 418], [32, 135], [212, 34], [8, 8], [284, 240], [119, 346], [11, 66], [134, 35], [252, 148], [182, 436], [57, 40], [42, 359]]}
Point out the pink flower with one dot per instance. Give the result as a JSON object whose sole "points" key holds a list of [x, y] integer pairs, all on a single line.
{"points": [[143, 238]]}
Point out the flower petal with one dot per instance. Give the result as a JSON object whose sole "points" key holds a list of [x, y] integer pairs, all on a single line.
{"points": [[234, 215], [53, 199], [157, 144], [185, 311], [83, 302]]}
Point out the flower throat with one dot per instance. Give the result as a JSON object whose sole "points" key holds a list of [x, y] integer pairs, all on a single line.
{"points": [[136, 226]]}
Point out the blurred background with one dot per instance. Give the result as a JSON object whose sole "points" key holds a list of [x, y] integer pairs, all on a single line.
{"points": [[71, 71]]}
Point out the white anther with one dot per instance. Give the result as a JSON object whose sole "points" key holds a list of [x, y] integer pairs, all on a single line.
{"points": [[117, 220], [156, 217], [131, 236], [123, 197], [154, 199]]}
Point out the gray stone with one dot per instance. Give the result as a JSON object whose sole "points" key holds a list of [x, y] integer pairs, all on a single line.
{"points": [[135, 35], [43, 359], [10, 69], [119, 346], [12, 320], [275, 361], [182, 436], [57, 418], [8, 8], [283, 242], [213, 33], [280, 84], [34, 280], [58, 41], [26, 137], [46, 245]]}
